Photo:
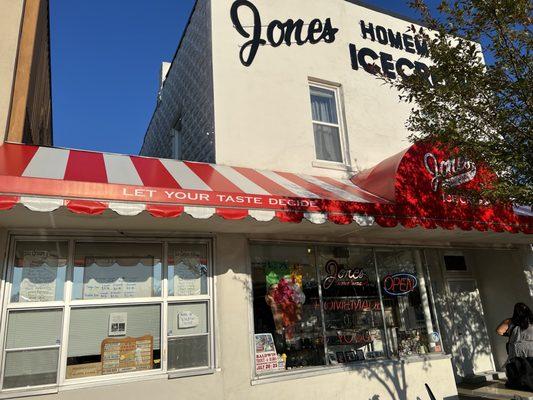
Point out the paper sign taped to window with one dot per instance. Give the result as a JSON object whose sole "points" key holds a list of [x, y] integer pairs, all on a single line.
{"points": [[118, 323], [188, 271], [117, 278], [188, 319], [266, 357], [38, 284]]}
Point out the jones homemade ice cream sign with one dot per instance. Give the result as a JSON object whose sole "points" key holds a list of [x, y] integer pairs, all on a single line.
{"points": [[301, 33]]}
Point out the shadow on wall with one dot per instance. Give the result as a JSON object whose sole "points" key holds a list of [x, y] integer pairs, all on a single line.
{"points": [[393, 379], [465, 333]]}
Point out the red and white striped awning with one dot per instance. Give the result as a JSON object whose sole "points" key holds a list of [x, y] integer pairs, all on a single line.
{"points": [[405, 189], [45, 179]]}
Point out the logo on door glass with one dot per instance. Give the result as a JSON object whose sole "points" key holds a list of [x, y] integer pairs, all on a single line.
{"points": [[340, 276]]}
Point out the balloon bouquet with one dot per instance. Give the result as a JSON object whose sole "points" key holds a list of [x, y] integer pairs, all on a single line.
{"points": [[285, 296]]}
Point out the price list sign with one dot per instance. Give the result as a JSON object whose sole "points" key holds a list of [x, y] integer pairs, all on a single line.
{"points": [[127, 355]]}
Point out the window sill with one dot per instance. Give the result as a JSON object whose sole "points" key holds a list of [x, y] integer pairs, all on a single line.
{"points": [[333, 369], [116, 380], [332, 165], [425, 357], [191, 372], [27, 392]]}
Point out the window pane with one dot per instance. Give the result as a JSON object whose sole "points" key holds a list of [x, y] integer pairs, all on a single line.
{"points": [[116, 270], [31, 368], [187, 269], [33, 328], [327, 143], [188, 352], [187, 319], [287, 305], [111, 340], [39, 271], [404, 310], [352, 308], [323, 105]]}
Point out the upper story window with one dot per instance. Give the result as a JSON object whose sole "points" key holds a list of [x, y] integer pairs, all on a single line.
{"points": [[326, 123]]}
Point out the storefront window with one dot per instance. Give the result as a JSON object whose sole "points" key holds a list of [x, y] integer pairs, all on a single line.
{"points": [[39, 271], [331, 305], [113, 340], [105, 311], [32, 348], [287, 317], [407, 317], [187, 270], [116, 270], [351, 304], [188, 335]]}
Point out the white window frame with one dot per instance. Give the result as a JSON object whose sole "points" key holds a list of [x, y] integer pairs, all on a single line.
{"points": [[344, 164], [67, 304]]}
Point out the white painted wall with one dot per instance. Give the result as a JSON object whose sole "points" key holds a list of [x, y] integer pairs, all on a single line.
{"points": [[263, 112], [501, 278]]}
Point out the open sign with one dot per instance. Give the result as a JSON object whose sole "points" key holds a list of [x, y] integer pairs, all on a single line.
{"points": [[399, 284]]}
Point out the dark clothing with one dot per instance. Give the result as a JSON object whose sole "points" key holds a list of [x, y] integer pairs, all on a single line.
{"points": [[520, 342], [519, 367], [519, 372]]}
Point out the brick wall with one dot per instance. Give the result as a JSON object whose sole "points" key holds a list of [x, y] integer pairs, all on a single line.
{"points": [[187, 93]]}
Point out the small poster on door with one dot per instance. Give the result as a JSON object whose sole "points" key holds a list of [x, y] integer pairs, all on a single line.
{"points": [[118, 323]]}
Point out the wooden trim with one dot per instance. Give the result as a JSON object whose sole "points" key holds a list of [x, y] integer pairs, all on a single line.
{"points": [[27, 81]]}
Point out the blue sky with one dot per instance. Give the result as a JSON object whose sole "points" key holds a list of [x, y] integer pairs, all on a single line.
{"points": [[106, 56]]}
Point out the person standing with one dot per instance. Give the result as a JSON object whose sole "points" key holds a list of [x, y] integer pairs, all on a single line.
{"points": [[519, 329]]}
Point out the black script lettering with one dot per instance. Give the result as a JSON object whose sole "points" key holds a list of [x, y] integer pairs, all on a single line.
{"points": [[381, 34], [329, 32], [256, 41], [278, 32], [293, 30], [276, 42], [315, 31], [368, 31]]}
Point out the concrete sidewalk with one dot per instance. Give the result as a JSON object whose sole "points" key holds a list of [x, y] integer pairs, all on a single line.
{"points": [[491, 390]]}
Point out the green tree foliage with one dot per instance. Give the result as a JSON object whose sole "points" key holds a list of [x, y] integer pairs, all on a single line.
{"points": [[480, 102]]}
